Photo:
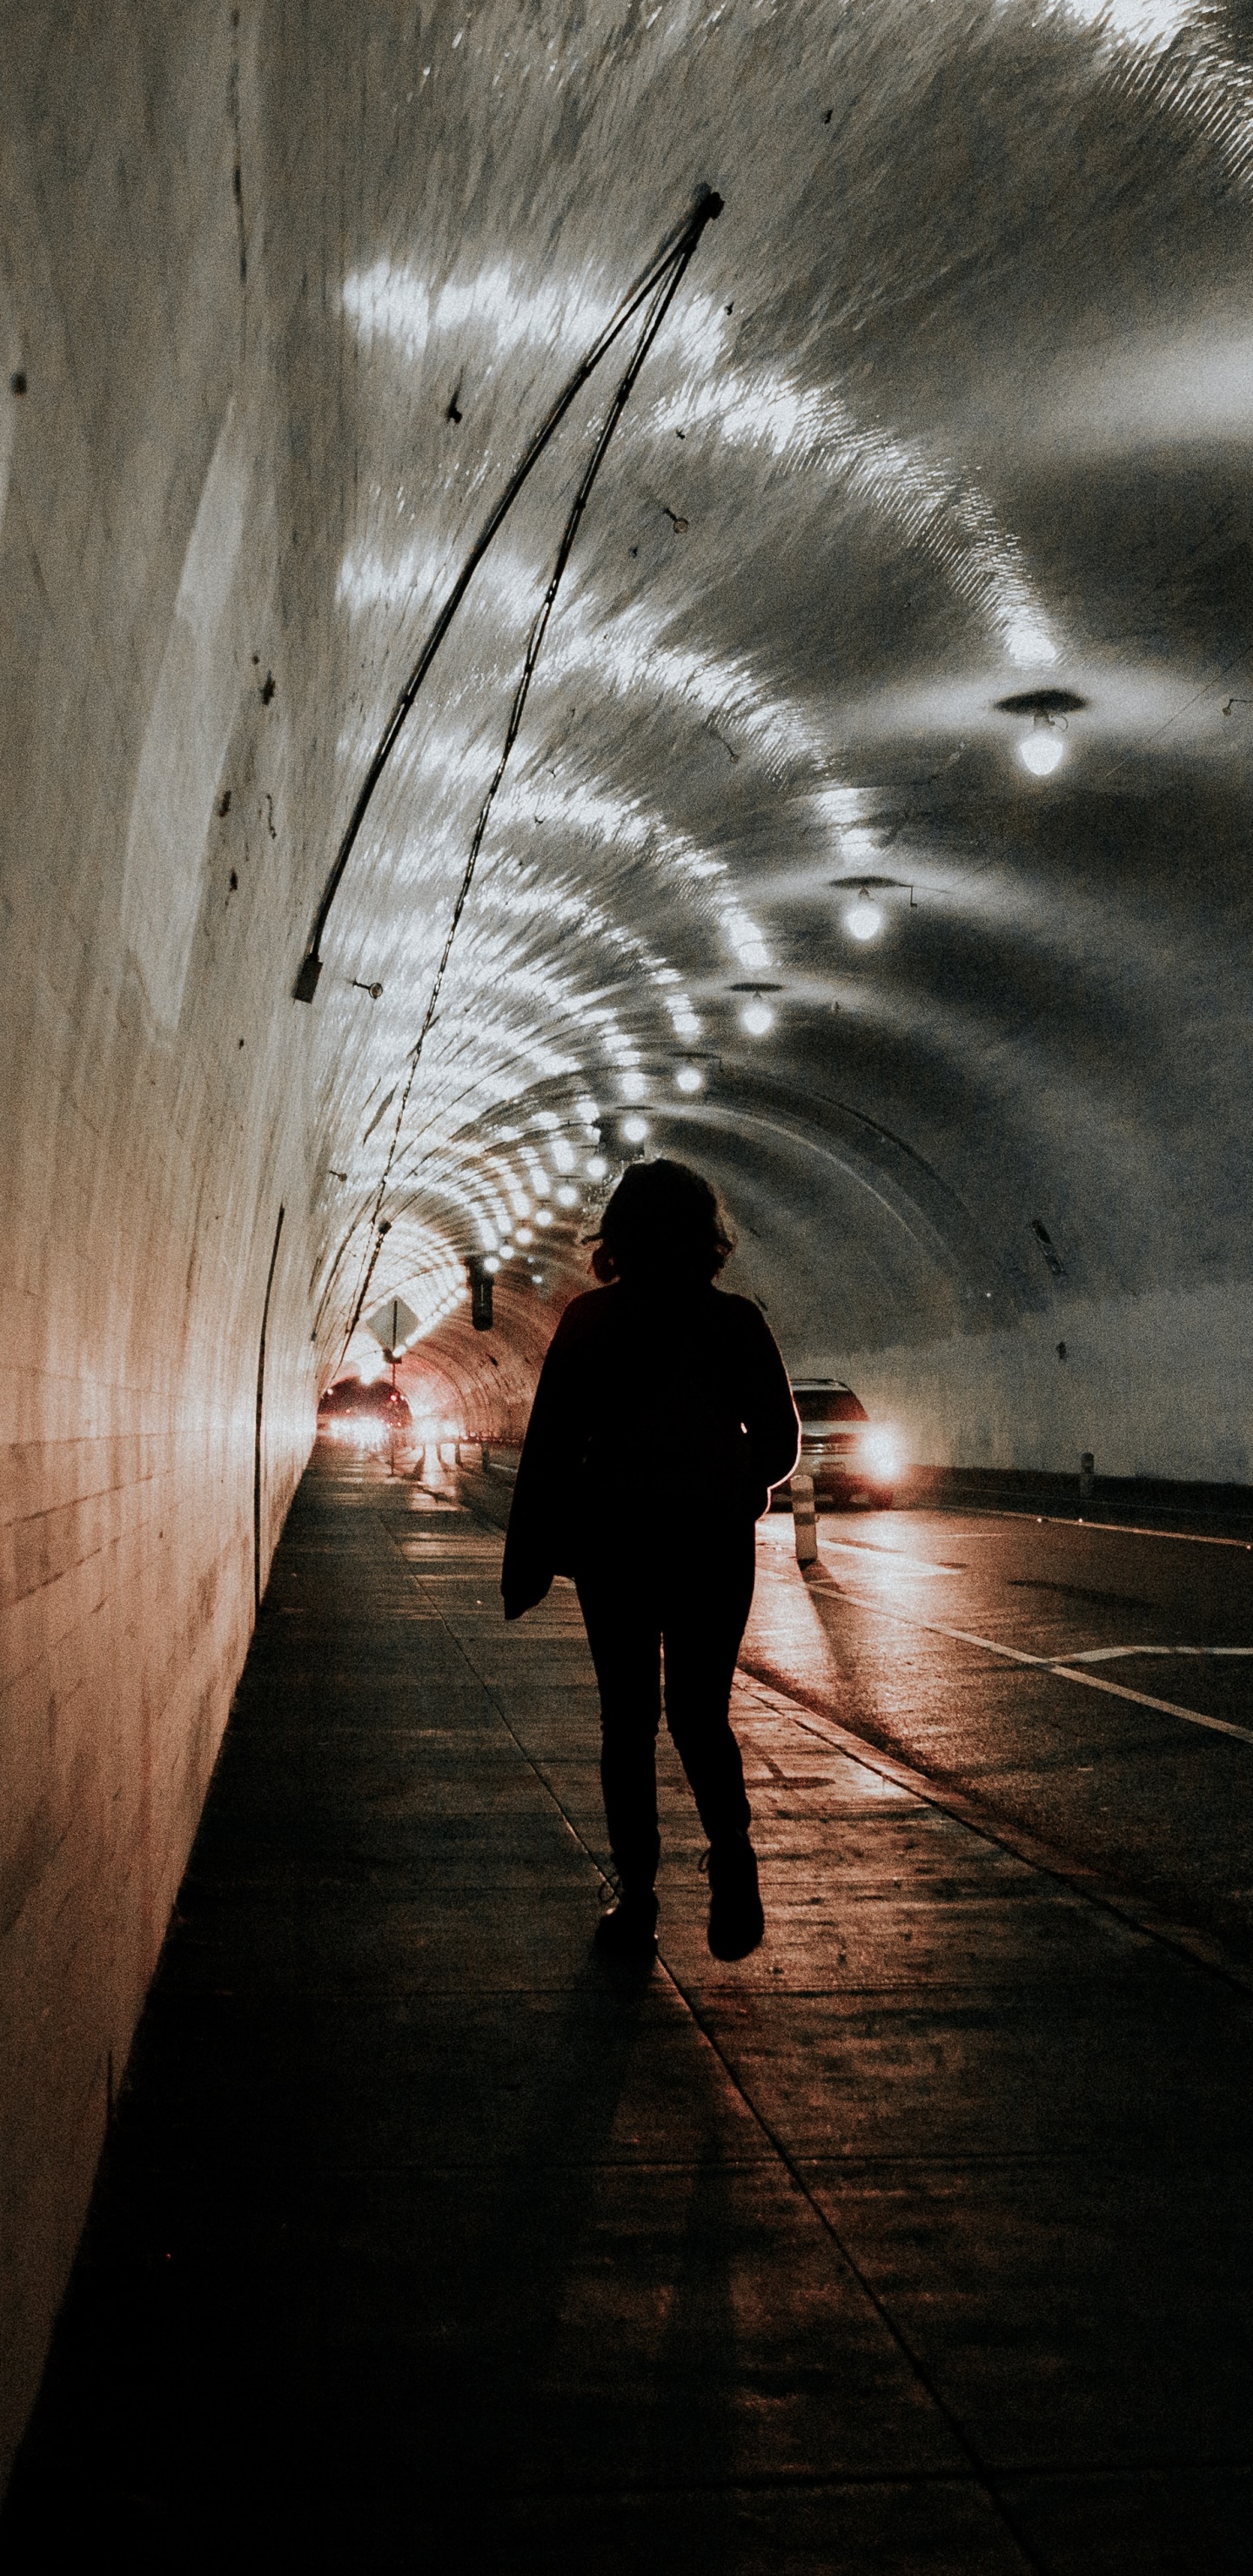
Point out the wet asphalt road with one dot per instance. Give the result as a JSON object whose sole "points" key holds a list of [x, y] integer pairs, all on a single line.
{"points": [[1112, 1748]]}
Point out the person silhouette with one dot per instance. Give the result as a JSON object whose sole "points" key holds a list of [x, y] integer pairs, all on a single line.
{"points": [[662, 1417]]}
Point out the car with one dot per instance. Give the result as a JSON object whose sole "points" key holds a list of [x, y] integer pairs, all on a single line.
{"points": [[851, 1459], [362, 1401]]}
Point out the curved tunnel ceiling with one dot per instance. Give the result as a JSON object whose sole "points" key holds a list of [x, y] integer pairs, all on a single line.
{"points": [[951, 407]]}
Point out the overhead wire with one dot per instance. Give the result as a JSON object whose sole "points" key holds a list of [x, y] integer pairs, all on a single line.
{"points": [[656, 294], [677, 248]]}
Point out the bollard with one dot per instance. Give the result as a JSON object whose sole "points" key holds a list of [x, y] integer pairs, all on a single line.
{"points": [[1087, 1476], [805, 1518]]}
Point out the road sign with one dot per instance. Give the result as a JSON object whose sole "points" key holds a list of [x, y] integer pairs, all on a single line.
{"points": [[393, 1325]]}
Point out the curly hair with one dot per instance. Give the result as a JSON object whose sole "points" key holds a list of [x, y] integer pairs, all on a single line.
{"points": [[662, 1221]]}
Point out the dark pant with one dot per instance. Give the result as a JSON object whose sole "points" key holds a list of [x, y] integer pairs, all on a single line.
{"points": [[694, 1610]]}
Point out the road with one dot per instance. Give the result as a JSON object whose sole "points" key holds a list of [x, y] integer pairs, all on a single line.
{"points": [[1087, 1684]]}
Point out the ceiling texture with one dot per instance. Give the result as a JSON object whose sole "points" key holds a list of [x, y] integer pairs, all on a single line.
{"points": [[951, 406]]}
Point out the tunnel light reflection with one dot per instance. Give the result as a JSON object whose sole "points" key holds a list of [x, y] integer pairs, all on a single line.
{"points": [[946, 514]]}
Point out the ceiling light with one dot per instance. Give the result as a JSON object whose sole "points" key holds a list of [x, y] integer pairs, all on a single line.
{"points": [[689, 1077], [1043, 749], [864, 919], [596, 1167], [635, 1130], [491, 1262], [757, 1018], [633, 1086], [543, 1216], [525, 1235], [566, 1197]]}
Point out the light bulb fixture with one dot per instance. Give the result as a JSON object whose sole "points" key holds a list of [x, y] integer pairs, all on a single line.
{"points": [[566, 1197], [863, 920], [491, 1262], [632, 1086], [543, 1216], [525, 1235], [635, 1130], [689, 1078], [1043, 749], [597, 1167], [757, 1019]]}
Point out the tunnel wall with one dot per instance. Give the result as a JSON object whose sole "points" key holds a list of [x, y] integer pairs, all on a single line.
{"points": [[1155, 1385], [194, 453], [152, 1125]]}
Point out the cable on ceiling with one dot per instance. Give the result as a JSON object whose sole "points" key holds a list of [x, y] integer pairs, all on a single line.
{"points": [[670, 262], [657, 294]]}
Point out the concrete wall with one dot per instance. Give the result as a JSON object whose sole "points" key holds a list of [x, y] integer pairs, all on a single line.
{"points": [[1157, 1385], [151, 1132]]}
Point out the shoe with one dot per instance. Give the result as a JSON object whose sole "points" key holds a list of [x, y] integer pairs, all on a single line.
{"points": [[736, 1921], [629, 1929]]}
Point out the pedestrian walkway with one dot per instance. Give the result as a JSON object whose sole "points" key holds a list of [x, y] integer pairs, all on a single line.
{"points": [[919, 2242]]}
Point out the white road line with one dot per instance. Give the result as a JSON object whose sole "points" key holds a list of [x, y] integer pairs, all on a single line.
{"points": [[1111, 1654], [1062, 1672], [897, 1559], [1063, 1520]]}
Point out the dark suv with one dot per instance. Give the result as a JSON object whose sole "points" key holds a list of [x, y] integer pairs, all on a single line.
{"points": [[850, 1458]]}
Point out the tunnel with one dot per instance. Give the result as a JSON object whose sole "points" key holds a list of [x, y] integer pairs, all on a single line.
{"points": [[585, 583]]}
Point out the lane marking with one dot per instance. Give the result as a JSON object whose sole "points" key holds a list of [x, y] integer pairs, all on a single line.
{"points": [[1063, 1520], [1044, 1664], [896, 1556], [1110, 1654]]}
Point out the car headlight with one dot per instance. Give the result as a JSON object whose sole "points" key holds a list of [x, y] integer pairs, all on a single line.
{"points": [[880, 1454]]}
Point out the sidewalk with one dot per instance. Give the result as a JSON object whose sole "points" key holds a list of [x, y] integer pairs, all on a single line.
{"points": [[921, 2241]]}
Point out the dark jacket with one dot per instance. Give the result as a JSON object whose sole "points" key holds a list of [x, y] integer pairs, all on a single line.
{"points": [[645, 1401]]}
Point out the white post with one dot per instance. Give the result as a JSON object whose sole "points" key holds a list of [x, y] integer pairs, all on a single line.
{"points": [[804, 1517]]}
